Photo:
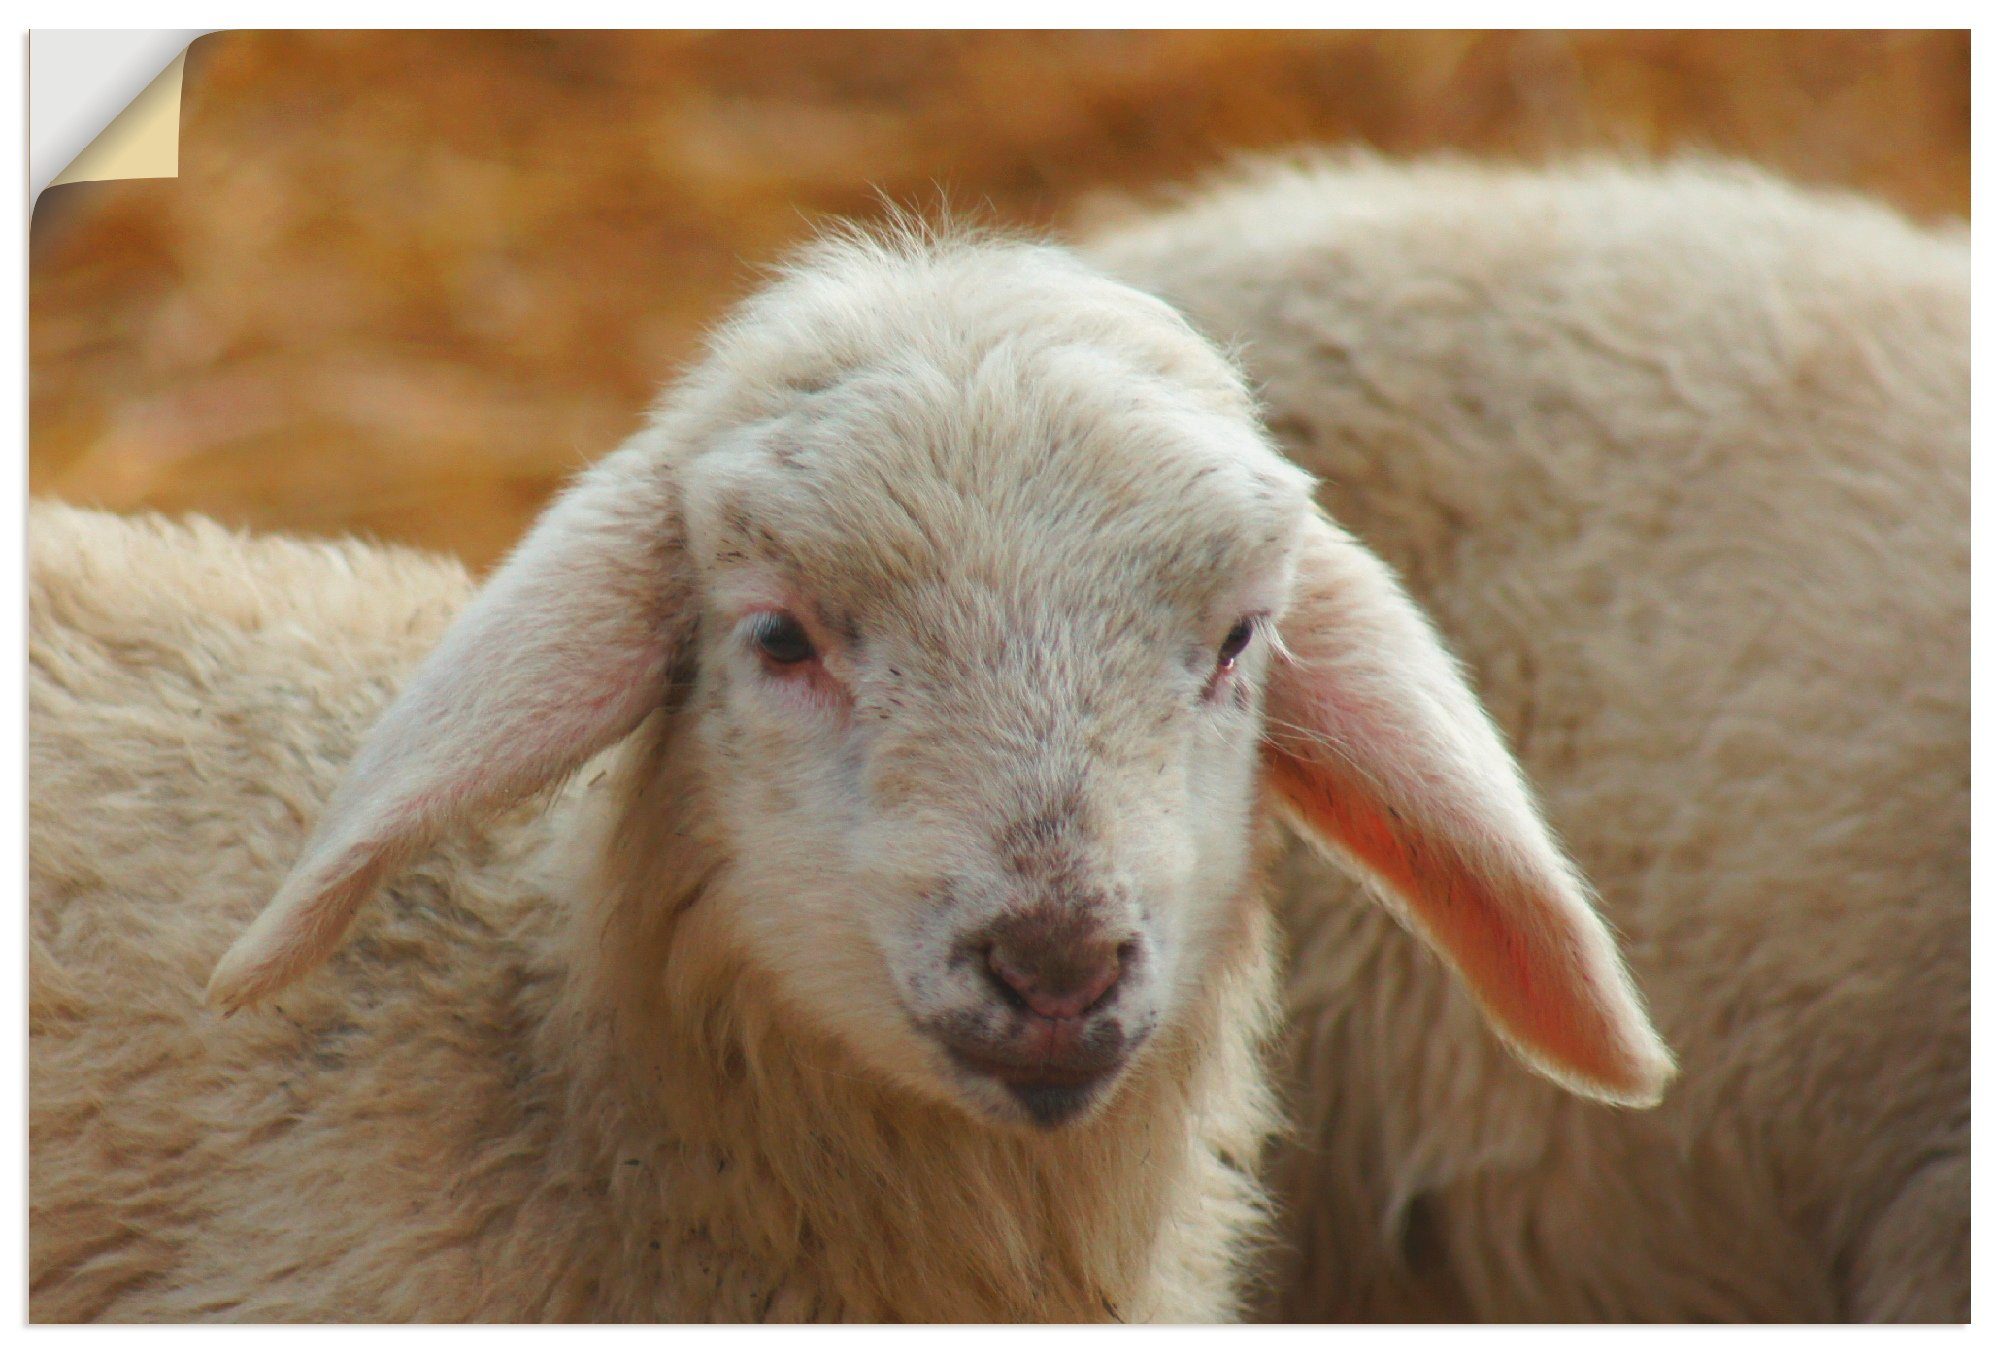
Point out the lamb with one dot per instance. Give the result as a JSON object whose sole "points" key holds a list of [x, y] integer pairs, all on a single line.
{"points": [[1677, 459], [819, 875]]}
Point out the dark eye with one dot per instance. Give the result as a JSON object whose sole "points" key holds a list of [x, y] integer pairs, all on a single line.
{"points": [[781, 639], [1234, 643]]}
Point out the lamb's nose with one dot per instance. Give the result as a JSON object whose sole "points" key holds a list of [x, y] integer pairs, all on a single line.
{"points": [[1059, 981]]}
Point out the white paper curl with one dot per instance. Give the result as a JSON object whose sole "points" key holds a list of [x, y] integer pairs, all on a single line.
{"points": [[104, 103]]}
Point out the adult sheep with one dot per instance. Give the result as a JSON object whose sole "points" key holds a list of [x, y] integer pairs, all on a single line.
{"points": [[902, 955], [1678, 461]]}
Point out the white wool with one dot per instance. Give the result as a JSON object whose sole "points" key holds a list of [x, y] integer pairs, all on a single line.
{"points": [[1677, 459]]}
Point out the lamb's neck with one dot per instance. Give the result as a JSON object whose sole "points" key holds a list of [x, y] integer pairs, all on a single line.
{"points": [[883, 1203]]}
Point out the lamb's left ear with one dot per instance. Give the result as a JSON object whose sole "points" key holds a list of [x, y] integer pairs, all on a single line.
{"points": [[564, 651], [1380, 752]]}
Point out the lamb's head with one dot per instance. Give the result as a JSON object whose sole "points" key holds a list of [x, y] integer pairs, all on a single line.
{"points": [[985, 574], [994, 620]]}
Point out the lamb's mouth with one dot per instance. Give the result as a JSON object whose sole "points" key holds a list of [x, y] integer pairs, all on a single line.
{"points": [[1051, 1089]]}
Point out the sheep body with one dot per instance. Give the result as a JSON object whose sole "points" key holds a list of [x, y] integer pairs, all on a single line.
{"points": [[441, 1126], [1678, 461]]}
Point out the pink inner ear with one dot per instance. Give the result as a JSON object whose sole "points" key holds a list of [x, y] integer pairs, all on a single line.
{"points": [[1510, 950]]}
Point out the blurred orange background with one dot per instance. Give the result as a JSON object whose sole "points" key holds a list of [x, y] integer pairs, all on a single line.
{"points": [[406, 282]]}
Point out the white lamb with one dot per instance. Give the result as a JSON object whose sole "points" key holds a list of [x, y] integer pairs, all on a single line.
{"points": [[1678, 462], [902, 956]]}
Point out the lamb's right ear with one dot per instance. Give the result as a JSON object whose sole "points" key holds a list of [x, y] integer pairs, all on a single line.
{"points": [[565, 650]]}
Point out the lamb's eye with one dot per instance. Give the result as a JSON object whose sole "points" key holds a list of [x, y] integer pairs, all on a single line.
{"points": [[1234, 643], [781, 639]]}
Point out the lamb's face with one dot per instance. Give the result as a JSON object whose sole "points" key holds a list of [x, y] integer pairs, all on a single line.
{"points": [[986, 614]]}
